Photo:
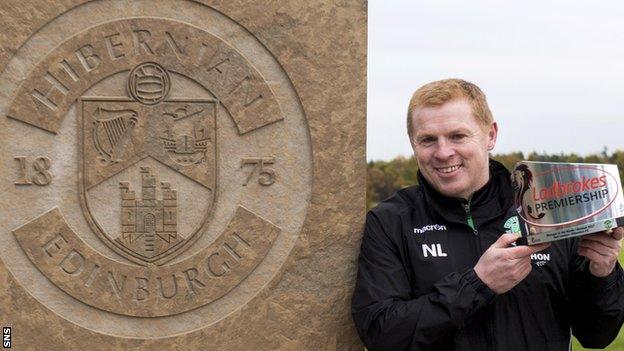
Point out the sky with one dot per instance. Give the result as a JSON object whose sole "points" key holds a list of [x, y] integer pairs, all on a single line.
{"points": [[552, 71]]}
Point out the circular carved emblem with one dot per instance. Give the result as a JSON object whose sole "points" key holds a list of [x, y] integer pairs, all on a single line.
{"points": [[149, 83], [167, 171]]}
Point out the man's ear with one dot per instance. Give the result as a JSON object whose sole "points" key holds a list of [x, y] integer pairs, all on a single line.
{"points": [[492, 134]]}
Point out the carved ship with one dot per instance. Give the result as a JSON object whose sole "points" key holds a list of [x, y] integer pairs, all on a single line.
{"points": [[186, 149]]}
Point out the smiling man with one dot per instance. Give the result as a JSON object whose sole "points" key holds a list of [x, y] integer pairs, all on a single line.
{"points": [[452, 150], [439, 268]]}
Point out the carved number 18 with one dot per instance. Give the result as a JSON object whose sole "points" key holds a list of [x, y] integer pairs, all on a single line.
{"points": [[266, 175], [41, 175]]}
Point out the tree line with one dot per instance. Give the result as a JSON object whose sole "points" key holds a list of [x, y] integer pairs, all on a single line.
{"points": [[386, 177]]}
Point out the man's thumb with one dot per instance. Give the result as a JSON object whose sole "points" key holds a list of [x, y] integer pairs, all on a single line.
{"points": [[618, 233], [506, 240]]}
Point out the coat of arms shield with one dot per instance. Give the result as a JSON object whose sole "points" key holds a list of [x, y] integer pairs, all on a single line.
{"points": [[146, 161]]}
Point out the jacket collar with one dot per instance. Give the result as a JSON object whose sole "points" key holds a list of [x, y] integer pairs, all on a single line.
{"points": [[489, 202]]}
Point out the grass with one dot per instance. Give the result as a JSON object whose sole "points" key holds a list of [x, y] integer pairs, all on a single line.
{"points": [[618, 343]]}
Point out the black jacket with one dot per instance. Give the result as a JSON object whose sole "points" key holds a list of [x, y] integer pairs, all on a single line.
{"points": [[417, 290]]}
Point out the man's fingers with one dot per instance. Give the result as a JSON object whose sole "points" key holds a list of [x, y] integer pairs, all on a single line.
{"points": [[618, 233], [589, 253], [523, 251], [595, 256], [596, 248], [506, 239], [599, 248], [605, 239]]}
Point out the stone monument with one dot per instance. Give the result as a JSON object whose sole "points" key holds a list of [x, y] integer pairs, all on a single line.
{"points": [[181, 174]]}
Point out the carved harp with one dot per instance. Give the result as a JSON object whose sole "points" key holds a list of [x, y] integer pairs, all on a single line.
{"points": [[111, 131]]}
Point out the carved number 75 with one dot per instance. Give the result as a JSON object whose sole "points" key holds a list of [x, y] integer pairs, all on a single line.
{"points": [[266, 175]]}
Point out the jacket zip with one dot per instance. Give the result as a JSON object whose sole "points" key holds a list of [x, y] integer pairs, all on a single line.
{"points": [[470, 222], [469, 219]]}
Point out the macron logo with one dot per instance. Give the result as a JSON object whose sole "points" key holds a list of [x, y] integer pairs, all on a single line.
{"points": [[429, 227]]}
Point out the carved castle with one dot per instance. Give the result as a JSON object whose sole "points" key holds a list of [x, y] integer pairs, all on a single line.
{"points": [[149, 225]]}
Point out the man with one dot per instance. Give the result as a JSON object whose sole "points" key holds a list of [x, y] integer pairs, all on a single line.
{"points": [[435, 270]]}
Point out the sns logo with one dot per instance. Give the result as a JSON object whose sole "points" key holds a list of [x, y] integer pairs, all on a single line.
{"points": [[434, 250], [6, 337]]}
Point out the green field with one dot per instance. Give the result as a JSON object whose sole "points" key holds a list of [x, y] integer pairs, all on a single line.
{"points": [[618, 343]]}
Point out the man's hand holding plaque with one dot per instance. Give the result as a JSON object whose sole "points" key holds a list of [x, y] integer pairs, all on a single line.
{"points": [[602, 249]]}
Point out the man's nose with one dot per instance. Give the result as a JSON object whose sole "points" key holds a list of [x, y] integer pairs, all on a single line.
{"points": [[444, 149]]}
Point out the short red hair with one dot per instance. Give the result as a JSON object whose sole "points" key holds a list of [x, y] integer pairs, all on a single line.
{"points": [[442, 91]]}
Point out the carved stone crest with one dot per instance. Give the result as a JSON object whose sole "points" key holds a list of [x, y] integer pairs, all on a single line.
{"points": [[162, 109], [181, 173], [119, 132]]}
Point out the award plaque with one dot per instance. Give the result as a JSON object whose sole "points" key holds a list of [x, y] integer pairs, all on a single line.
{"points": [[561, 200]]}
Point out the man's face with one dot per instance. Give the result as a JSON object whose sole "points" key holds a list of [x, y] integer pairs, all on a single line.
{"points": [[452, 148]]}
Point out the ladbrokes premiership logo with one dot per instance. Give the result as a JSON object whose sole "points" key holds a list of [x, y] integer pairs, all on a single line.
{"points": [[165, 169]]}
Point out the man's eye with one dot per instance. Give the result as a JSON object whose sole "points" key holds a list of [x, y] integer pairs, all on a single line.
{"points": [[458, 136], [427, 140]]}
